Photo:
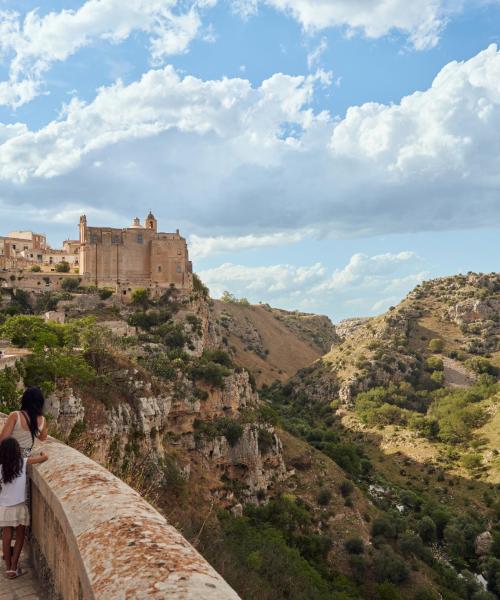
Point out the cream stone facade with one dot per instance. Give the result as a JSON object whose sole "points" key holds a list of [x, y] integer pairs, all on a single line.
{"points": [[24, 249], [120, 259], [135, 256]]}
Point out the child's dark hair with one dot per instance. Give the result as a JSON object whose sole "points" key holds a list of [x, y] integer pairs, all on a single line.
{"points": [[11, 460], [32, 405]]}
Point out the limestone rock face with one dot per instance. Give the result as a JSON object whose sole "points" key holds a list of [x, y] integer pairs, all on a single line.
{"points": [[66, 408], [155, 423], [469, 311], [483, 543], [347, 327]]}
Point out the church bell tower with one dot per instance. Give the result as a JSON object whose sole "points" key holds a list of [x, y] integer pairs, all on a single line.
{"points": [[151, 222]]}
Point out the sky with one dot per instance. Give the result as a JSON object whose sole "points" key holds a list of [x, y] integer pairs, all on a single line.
{"points": [[318, 155]]}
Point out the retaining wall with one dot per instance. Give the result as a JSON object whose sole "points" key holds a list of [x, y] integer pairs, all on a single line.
{"points": [[96, 538]]}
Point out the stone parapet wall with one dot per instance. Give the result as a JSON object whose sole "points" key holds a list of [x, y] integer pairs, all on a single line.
{"points": [[96, 538]]}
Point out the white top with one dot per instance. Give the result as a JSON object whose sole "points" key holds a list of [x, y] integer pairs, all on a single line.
{"points": [[14, 492]]}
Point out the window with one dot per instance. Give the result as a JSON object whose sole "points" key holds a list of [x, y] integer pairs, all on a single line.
{"points": [[25, 248], [159, 268], [93, 238], [140, 238], [178, 268], [115, 239], [179, 251], [13, 246]]}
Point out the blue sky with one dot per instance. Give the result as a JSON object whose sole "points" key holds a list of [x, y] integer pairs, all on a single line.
{"points": [[324, 155]]}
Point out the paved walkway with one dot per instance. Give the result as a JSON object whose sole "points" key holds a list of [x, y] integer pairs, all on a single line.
{"points": [[22, 588]]}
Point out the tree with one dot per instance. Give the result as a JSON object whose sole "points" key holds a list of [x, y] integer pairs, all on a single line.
{"points": [[383, 527], [228, 298], [8, 389], [140, 297], [70, 284], [36, 269], [354, 545], [63, 267], [32, 332], [427, 530], [390, 567]]}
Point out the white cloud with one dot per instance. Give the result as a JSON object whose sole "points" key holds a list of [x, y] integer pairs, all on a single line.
{"points": [[421, 21], [161, 100], [276, 281], [33, 43], [225, 156], [202, 247], [314, 57], [367, 271], [367, 284]]}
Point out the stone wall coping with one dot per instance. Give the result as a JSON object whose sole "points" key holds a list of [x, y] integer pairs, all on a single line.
{"points": [[122, 546]]}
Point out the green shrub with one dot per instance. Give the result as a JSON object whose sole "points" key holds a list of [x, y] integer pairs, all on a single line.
{"points": [[383, 527], [9, 396], [199, 287], [434, 363], [324, 497], [265, 440], [218, 356], [346, 488], [63, 267], [105, 293], [387, 591], [436, 345], [481, 366], [70, 284], [140, 297], [36, 269], [472, 461], [231, 430], [354, 545], [390, 567], [211, 373], [427, 530]]}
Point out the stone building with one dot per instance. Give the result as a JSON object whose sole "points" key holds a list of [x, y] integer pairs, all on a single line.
{"points": [[120, 259], [24, 249], [135, 256]]}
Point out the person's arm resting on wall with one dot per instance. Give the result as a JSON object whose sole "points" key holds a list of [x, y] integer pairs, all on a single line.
{"points": [[8, 427]]}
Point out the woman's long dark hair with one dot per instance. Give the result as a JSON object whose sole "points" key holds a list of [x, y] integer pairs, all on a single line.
{"points": [[32, 405], [11, 460]]}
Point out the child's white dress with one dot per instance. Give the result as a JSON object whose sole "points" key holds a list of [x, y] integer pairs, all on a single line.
{"points": [[13, 509]]}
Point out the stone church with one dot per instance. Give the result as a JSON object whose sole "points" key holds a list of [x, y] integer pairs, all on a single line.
{"points": [[138, 255]]}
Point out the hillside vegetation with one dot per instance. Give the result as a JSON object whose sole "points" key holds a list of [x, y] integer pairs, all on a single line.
{"points": [[372, 472], [408, 405]]}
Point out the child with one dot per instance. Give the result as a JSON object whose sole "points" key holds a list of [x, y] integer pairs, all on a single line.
{"points": [[13, 510]]}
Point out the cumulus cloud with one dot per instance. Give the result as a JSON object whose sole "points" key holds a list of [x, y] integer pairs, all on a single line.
{"points": [[421, 21], [162, 100], [226, 158], [273, 281], [203, 247], [365, 285], [33, 43]]}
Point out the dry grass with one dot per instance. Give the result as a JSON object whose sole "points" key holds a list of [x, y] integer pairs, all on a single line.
{"points": [[287, 352]]}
